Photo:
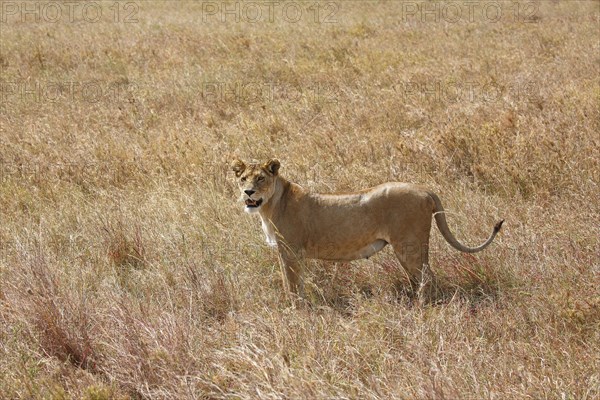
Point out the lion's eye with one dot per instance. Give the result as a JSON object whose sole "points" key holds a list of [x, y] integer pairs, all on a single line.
{"points": [[243, 179], [261, 178]]}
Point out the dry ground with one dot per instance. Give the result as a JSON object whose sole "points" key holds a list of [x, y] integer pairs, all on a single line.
{"points": [[128, 270]]}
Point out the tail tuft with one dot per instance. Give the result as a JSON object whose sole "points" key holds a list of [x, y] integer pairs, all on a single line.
{"points": [[440, 220], [498, 226]]}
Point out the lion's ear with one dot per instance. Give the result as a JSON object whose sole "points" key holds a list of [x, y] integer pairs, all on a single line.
{"points": [[238, 166], [272, 166]]}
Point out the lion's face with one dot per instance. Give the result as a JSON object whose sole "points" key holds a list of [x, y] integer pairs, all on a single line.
{"points": [[256, 182]]}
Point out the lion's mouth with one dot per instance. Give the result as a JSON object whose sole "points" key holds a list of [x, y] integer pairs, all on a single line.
{"points": [[250, 203]]}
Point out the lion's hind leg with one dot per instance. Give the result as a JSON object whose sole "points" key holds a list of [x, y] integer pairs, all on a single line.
{"points": [[413, 255]]}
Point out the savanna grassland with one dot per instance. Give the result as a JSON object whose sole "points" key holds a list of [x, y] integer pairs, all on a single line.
{"points": [[129, 270]]}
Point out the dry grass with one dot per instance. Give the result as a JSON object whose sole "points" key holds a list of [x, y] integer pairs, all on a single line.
{"points": [[128, 270]]}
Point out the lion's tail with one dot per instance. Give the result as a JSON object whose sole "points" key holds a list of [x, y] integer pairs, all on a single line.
{"points": [[440, 219]]}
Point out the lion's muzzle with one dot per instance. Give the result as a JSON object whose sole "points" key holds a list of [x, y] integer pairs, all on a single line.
{"points": [[251, 203]]}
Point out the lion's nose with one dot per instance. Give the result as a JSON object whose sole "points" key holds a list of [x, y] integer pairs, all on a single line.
{"points": [[249, 192]]}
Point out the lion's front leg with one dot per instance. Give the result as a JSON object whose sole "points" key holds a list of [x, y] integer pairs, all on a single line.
{"points": [[291, 269]]}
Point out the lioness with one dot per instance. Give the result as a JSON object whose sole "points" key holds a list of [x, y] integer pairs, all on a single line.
{"points": [[343, 227]]}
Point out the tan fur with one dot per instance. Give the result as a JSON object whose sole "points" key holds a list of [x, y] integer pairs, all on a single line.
{"points": [[344, 226]]}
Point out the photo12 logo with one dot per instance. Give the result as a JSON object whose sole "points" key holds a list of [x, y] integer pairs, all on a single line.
{"points": [[469, 11], [71, 91], [75, 172], [68, 11], [270, 11], [468, 91], [241, 92]]}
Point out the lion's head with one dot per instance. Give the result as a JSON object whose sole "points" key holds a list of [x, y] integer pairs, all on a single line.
{"points": [[256, 182]]}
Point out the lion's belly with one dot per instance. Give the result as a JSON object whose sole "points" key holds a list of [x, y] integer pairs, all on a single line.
{"points": [[335, 252]]}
